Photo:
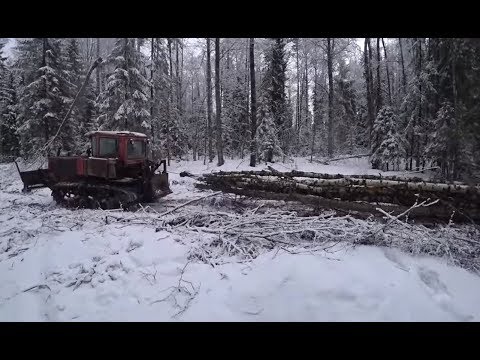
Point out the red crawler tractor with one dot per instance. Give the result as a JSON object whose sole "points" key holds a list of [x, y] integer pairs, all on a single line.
{"points": [[115, 173]]}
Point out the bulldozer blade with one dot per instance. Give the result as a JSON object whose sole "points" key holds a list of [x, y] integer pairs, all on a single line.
{"points": [[33, 179], [160, 185]]}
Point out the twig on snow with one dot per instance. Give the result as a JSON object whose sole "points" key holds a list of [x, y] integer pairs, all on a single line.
{"points": [[180, 288], [39, 286]]}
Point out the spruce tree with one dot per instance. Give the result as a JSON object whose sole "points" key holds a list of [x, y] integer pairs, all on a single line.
{"points": [[44, 98], [275, 79], [123, 105], [9, 143], [267, 132], [444, 140], [235, 115], [387, 147], [82, 119], [346, 124]]}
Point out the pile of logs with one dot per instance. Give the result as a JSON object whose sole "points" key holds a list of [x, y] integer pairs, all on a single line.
{"points": [[360, 193]]}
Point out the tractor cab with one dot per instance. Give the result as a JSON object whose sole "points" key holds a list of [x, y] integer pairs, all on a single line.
{"points": [[118, 154], [125, 146]]}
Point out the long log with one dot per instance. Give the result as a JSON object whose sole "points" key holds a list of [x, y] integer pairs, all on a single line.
{"points": [[302, 174], [460, 197], [347, 181], [358, 208]]}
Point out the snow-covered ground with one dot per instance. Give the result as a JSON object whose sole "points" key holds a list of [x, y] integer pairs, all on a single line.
{"points": [[90, 265]]}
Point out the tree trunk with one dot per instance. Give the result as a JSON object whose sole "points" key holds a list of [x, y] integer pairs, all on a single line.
{"points": [[298, 112], [315, 109], [404, 76], [379, 80], [125, 47], [330, 96], [419, 70], [388, 74], [44, 63], [218, 104], [152, 100], [195, 123], [99, 77], [170, 100], [177, 78], [253, 104], [349, 188], [306, 87], [209, 103], [368, 81], [455, 111], [180, 82]]}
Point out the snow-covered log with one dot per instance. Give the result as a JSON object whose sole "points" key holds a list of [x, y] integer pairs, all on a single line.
{"points": [[462, 198]]}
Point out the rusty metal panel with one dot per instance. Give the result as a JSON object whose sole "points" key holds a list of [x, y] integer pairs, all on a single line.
{"points": [[81, 167], [99, 167], [112, 174], [63, 167]]}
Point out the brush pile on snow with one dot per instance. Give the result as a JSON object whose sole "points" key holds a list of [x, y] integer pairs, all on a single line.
{"points": [[212, 256]]}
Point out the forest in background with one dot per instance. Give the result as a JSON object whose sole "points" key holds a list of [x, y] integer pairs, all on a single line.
{"points": [[411, 103]]}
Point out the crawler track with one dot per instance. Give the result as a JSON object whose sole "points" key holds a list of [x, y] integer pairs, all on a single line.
{"points": [[93, 196]]}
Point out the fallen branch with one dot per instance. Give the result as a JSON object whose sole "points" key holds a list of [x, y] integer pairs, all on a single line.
{"points": [[396, 218], [188, 203], [40, 286]]}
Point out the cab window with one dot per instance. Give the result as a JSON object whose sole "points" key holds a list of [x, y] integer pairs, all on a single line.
{"points": [[136, 149], [108, 147]]}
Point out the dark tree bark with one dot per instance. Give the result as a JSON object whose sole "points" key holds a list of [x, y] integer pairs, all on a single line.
{"points": [[193, 114], [298, 112], [244, 146], [99, 77], [330, 96], [178, 82], [315, 111], [388, 74], [420, 103], [368, 81], [209, 103], [44, 63], [379, 80], [404, 76], [152, 101], [253, 104], [370, 68], [197, 125], [125, 47], [218, 104], [306, 87], [170, 100]]}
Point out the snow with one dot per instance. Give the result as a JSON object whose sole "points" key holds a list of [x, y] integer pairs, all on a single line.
{"points": [[116, 133], [83, 265]]}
